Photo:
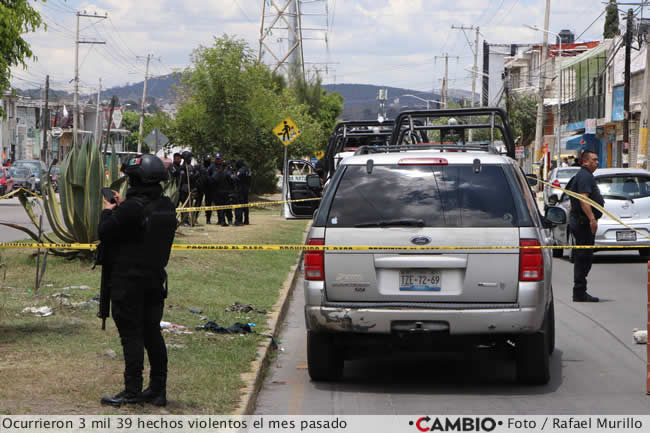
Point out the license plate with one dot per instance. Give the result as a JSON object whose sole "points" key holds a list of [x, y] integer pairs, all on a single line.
{"points": [[419, 281], [625, 235]]}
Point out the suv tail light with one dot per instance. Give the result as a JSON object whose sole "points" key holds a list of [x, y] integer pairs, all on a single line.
{"points": [[315, 261], [556, 183], [531, 261]]}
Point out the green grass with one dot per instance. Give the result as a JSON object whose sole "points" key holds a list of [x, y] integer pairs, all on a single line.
{"points": [[62, 358]]}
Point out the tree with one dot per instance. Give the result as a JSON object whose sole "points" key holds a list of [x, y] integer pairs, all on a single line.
{"points": [[611, 28], [16, 17], [523, 117], [229, 104]]}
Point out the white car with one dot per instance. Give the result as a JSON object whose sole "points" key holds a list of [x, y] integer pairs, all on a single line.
{"points": [[627, 196], [559, 178]]}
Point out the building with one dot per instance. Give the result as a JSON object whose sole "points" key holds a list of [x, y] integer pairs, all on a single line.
{"points": [[523, 72], [20, 130]]}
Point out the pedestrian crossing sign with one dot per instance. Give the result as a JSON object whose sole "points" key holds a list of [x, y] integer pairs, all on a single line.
{"points": [[287, 131]]}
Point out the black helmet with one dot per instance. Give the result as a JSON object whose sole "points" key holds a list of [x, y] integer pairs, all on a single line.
{"points": [[147, 169]]}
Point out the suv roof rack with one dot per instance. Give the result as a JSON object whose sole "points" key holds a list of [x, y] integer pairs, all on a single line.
{"points": [[408, 122], [487, 147]]}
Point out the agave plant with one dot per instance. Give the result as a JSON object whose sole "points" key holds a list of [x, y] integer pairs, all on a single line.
{"points": [[81, 178]]}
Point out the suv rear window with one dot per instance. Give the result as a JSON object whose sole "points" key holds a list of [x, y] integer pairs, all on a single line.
{"points": [[433, 196]]}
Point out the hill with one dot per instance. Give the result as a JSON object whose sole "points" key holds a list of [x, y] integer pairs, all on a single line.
{"points": [[361, 99]]}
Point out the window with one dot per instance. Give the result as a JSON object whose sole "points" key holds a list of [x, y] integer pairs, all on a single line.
{"points": [[624, 187], [440, 196]]}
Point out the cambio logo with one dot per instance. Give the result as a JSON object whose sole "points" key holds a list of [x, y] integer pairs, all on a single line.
{"points": [[463, 424]]}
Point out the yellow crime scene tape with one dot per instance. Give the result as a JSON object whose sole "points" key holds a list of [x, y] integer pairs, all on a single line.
{"points": [[292, 247], [238, 206], [16, 191]]}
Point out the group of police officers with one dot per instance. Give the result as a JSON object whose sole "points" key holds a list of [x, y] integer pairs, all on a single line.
{"points": [[216, 180]]}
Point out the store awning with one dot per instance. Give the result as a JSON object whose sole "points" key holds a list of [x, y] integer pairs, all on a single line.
{"points": [[581, 142]]}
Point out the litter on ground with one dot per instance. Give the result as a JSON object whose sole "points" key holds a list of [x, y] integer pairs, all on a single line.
{"points": [[42, 311], [640, 336]]}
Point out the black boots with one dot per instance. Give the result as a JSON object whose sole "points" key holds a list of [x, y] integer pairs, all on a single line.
{"points": [[156, 394], [131, 395]]}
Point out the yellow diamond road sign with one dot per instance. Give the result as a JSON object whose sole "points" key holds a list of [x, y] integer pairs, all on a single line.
{"points": [[287, 131], [319, 154]]}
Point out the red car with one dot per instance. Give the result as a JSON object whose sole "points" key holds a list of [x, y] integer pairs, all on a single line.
{"points": [[5, 180]]}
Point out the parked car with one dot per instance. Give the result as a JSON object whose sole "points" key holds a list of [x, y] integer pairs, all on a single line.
{"points": [[626, 192], [5, 181], [36, 168], [21, 176], [446, 193], [558, 177]]}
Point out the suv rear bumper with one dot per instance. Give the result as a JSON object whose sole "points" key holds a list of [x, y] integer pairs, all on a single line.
{"points": [[457, 321]]}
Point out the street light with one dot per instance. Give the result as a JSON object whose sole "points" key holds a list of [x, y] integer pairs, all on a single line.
{"points": [[559, 91], [424, 100]]}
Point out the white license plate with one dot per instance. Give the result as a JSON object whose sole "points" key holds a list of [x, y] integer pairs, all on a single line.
{"points": [[419, 281], [625, 235]]}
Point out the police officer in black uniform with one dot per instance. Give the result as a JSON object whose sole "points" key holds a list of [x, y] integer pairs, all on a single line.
{"points": [[243, 180], [188, 178], [175, 168], [201, 171], [229, 189], [583, 223], [216, 175], [137, 233]]}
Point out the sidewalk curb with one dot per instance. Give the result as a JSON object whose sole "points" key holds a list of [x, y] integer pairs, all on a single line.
{"points": [[254, 378]]}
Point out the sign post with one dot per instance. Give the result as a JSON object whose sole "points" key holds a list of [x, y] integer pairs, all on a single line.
{"points": [[287, 132]]}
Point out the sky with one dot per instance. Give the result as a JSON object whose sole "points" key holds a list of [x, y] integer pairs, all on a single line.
{"points": [[397, 43]]}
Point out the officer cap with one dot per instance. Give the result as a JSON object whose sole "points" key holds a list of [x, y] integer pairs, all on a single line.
{"points": [[218, 157], [186, 154], [147, 169]]}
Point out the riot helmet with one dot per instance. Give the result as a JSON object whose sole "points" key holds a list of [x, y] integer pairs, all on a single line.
{"points": [[145, 169]]}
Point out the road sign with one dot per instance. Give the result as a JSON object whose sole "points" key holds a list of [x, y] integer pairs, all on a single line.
{"points": [[519, 152], [56, 132], [156, 139], [319, 154], [287, 131]]}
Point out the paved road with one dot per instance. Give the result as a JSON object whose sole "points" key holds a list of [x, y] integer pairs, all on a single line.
{"points": [[596, 367], [11, 211]]}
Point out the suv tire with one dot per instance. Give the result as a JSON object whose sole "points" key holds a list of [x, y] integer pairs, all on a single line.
{"points": [[324, 360], [533, 363], [551, 328]]}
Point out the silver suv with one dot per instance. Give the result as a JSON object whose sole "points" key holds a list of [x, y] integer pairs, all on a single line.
{"points": [[417, 192]]}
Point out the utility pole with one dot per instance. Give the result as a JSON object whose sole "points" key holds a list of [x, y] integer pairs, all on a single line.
{"points": [[626, 89], [475, 68], [475, 52], [643, 133], [445, 80], [445, 83], [485, 93], [45, 122], [98, 127], [539, 127], [75, 116], [144, 96]]}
